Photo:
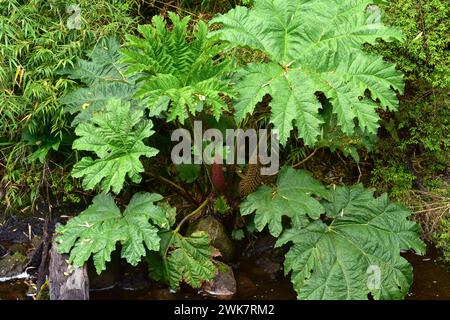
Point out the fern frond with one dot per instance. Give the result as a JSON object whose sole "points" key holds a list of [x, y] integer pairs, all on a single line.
{"points": [[177, 70], [104, 77]]}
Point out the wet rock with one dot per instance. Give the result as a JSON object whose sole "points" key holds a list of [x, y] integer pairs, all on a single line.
{"points": [[15, 230], [35, 254], [218, 235], [263, 245], [162, 294], [266, 260], [12, 265], [223, 286], [36, 241], [245, 287], [17, 247]]}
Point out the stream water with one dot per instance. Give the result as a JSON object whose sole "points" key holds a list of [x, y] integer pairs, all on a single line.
{"points": [[431, 281]]}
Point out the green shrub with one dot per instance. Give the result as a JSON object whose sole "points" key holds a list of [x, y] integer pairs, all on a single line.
{"points": [[322, 87], [424, 54], [442, 236], [417, 138], [392, 177], [423, 124], [36, 42], [339, 235]]}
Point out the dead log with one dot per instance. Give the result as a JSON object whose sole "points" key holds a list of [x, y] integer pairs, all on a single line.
{"points": [[66, 282]]}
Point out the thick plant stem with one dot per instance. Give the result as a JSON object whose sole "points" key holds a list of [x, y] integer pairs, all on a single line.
{"points": [[184, 193], [193, 213], [217, 174], [306, 159], [177, 229]]}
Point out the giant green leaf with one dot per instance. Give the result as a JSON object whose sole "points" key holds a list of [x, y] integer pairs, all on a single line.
{"points": [[357, 253], [98, 229], [115, 136], [183, 259], [102, 66], [135, 221], [312, 46], [292, 197], [85, 102]]}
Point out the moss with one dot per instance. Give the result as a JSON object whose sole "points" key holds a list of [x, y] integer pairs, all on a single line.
{"points": [[424, 54], [392, 177], [44, 292], [19, 257], [12, 265]]}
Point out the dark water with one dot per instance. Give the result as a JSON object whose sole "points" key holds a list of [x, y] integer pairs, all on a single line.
{"points": [[431, 277], [431, 281], [15, 290], [251, 285]]}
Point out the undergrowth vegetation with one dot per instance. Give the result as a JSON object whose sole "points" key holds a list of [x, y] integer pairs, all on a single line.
{"points": [[355, 91], [36, 43], [412, 159]]}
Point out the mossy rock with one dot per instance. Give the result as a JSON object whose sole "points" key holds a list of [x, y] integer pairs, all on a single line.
{"points": [[223, 286], [18, 248], [218, 236], [12, 265], [44, 292]]}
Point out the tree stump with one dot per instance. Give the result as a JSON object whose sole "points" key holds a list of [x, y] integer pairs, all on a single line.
{"points": [[66, 283]]}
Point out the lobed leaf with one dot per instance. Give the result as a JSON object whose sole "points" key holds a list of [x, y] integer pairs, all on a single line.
{"points": [[313, 46], [357, 253], [98, 229], [184, 259], [292, 197], [115, 136]]}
